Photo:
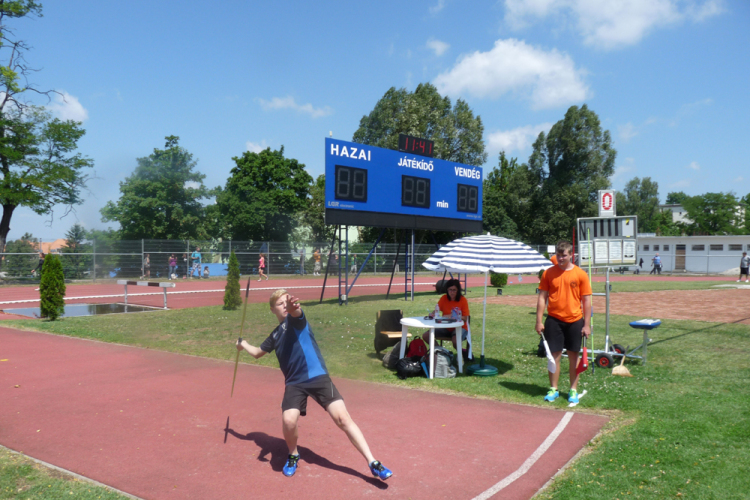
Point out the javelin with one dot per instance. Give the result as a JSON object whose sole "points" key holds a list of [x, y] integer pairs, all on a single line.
{"points": [[239, 340]]}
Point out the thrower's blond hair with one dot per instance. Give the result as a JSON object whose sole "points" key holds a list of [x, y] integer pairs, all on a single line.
{"points": [[275, 296]]}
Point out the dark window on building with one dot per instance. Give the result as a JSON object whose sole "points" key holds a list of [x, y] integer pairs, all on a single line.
{"points": [[735, 247], [656, 248], [717, 248], [645, 248], [666, 248], [698, 248]]}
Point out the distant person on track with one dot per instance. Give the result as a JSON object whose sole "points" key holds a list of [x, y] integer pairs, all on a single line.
{"points": [[172, 267], [302, 261], [206, 273], [316, 267], [196, 256], [146, 266], [39, 265], [305, 375], [185, 263], [656, 263], [567, 287], [261, 268], [744, 267], [353, 269]]}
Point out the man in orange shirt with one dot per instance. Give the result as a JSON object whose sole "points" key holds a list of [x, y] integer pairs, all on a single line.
{"points": [[568, 288]]}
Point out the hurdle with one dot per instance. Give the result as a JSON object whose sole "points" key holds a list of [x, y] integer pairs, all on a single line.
{"points": [[125, 283]]}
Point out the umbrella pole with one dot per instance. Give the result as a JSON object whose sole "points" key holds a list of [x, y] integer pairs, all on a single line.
{"points": [[482, 369]]}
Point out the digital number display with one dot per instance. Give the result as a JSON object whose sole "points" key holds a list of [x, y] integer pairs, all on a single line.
{"points": [[415, 145], [415, 192], [468, 199], [351, 184]]}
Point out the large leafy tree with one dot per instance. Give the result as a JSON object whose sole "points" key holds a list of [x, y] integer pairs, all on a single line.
{"points": [[570, 164], [38, 166], [676, 198], [21, 256], [313, 215], [640, 197], [424, 113], [508, 199], [713, 214], [75, 263], [162, 198], [263, 197]]}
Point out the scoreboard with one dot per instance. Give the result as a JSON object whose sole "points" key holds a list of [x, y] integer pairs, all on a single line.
{"points": [[608, 240], [370, 186]]}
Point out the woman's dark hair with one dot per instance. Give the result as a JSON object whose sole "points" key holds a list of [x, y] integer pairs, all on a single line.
{"points": [[455, 283]]}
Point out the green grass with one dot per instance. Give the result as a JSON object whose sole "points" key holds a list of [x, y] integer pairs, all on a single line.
{"points": [[680, 427], [23, 478]]}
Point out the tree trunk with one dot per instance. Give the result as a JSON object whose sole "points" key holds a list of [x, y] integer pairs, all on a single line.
{"points": [[5, 227]]}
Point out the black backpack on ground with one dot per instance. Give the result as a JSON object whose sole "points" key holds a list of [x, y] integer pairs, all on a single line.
{"points": [[409, 367]]}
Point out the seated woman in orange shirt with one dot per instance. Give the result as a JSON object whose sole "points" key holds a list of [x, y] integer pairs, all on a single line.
{"points": [[451, 300]]}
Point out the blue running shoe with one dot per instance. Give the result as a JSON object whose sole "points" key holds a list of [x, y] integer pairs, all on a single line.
{"points": [[379, 471], [573, 396], [291, 465], [552, 394]]}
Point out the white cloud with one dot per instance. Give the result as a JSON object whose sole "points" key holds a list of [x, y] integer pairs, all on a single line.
{"points": [[548, 79], [256, 147], [684, 183], [614, 23], [67, 107], [627, 131], [517, 139], [623, 168], [289, 102], [694, 165], [437, 46], [438, 7], [738, 180]]}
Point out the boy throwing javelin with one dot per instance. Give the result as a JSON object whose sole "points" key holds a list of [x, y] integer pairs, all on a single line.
{"points": [[305, 376], [567, 287]]}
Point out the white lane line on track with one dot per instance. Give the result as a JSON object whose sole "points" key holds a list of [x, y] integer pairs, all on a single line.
{"points": [[189, 291], [529, 461]]}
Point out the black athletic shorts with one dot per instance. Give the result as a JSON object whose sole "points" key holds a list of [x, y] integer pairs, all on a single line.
{"points": [[320, 388], [560, 334]]}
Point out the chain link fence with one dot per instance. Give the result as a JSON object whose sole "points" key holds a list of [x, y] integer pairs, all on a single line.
{"points": [[151, 259]]}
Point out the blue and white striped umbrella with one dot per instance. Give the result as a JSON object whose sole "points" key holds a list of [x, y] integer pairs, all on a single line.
{"points": [[480, 254], [485, 254]]}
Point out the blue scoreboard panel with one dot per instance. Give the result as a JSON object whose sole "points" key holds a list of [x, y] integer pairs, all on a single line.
{"points": [[370, 186]]}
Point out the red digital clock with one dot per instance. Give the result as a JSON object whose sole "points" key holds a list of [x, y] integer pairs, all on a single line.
{"points": [[415, 145]]}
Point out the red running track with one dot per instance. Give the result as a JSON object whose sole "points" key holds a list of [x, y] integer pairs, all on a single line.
{"points": [[154, 424]]}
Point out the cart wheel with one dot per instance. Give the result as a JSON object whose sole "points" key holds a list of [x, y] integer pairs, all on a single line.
{"points": [[604, 360], [617, 348]]}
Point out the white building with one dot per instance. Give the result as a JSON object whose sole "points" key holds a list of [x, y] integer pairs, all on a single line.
{"points": [[693, 254], [679, 214]]}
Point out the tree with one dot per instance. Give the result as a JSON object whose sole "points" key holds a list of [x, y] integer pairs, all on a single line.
{"points": [[424, 113], [570, 164], [508, 196], [38, 168], [263, 196], [664, 225], [161, 199], [17, 263], [713, 214], [75, 263], [641, 198], [457, 134], [676, 198], [52, 288], [313, 215], [232, 296]]}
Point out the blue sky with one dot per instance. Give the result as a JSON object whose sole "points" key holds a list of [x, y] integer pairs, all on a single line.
{"points": [[668, 79]]}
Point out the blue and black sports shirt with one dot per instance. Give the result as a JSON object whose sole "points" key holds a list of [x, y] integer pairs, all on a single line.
{"points": [[296, 350]]}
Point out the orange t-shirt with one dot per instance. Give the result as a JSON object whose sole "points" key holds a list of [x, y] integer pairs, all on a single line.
{"points": [[553, 259], [446, 306], [566, 289]]}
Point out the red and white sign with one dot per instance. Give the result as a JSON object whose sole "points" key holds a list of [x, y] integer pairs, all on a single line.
{"points": [[607, 203]]}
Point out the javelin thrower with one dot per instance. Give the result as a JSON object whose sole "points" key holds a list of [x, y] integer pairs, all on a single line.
{"points": [[305, 376]]}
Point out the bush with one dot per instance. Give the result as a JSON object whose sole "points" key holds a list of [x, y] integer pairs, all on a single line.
{"points": [[498, 280], [232, 297], [541, 271], [52, 288]]}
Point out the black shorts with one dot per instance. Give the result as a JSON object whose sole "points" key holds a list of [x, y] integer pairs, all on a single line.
{"points": [[560, 334], [743, 270], [450, 332], [321, 389]]}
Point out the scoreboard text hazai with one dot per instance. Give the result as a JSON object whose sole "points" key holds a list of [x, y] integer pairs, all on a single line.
{"points": [[370, 186]]}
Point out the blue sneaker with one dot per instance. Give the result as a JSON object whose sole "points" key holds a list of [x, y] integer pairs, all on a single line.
{"points": [[291, 465], [552, 394], [573, 396], [379, 471]]}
